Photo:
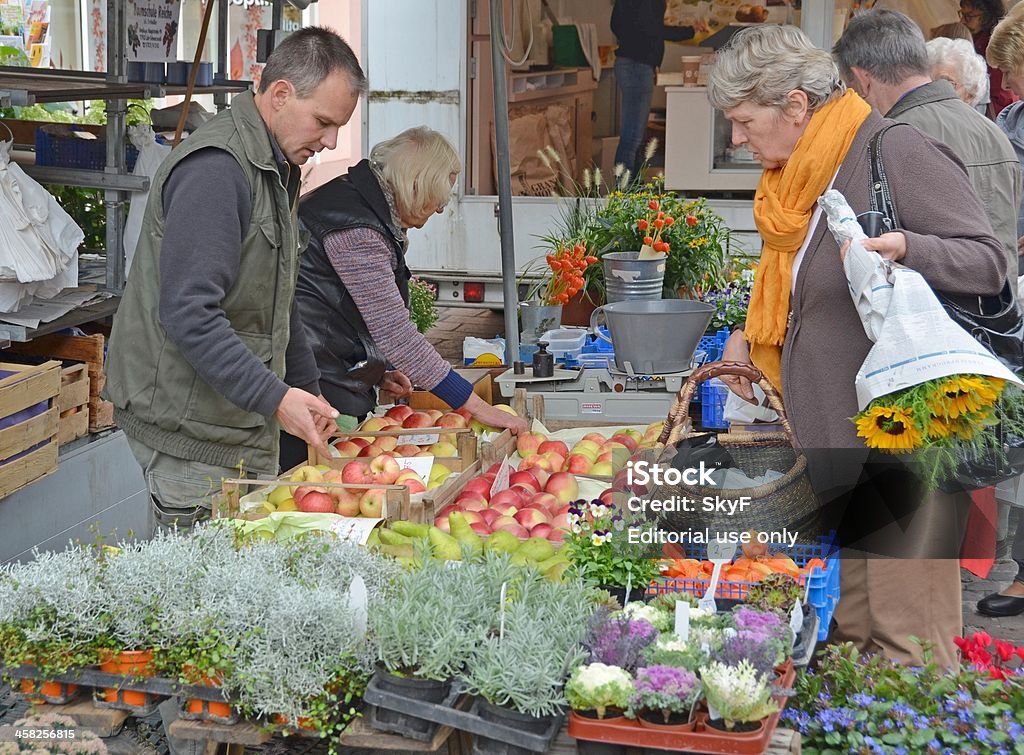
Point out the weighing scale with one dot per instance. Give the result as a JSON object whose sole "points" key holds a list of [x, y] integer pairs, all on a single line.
{"points": [[602, 394]]}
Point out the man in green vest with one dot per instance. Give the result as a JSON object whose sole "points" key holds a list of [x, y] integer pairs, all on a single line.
{"points": [[207, 328]]}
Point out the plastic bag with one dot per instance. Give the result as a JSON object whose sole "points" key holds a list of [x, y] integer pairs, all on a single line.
{"points": [[38, 239], [151, 154], [738, 410]]}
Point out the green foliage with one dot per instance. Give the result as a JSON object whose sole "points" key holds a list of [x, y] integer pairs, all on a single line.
{"points": [[600, 551], [422, 304]]}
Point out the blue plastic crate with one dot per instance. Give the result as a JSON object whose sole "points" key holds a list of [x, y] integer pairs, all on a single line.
{"points": [[714, 344], [71, 152], [713, 393], [823, 586]]}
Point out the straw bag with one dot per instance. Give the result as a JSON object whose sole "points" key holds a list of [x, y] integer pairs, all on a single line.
{"points": [[788, 501]]}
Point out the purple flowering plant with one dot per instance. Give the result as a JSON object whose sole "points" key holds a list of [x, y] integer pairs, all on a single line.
{"points": [[762, 650], [664, 689], [731, 302], [618, 641]]}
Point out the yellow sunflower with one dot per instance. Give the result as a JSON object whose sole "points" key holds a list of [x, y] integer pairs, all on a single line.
{"points": [[939, 428], [960, 395], [888, 428]]}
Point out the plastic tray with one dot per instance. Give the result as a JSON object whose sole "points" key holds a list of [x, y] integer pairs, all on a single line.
{"points": [[463, 720], [420, 729], [714, 344], [72, 152], [701, 739], [565, 341], [823, 586]]}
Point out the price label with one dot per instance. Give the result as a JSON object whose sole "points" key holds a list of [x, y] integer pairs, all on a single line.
{"points": [[358, 601], [421, 465], [418, 440], [501, 480], [682, 621], [796, 618], [354, 529]]}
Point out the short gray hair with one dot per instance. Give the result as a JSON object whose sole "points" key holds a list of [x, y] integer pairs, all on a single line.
{"points": [[970, 68], [308, 56], [762, 64], [417, 164], [886, 44]]}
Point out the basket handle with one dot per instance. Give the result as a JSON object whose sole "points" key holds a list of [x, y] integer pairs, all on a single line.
{"points": [[680, 411]]}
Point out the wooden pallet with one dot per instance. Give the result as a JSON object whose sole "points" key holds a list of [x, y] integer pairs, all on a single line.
{"points": [[103, 722], [87, 349]]}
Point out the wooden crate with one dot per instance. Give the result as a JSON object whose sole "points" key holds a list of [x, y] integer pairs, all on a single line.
{"points": [[479, 378], [87, 349], [28, 386], [465, 442], [73, 404]]}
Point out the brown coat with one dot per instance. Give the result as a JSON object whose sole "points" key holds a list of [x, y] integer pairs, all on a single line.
{"points": [[949, 241]]}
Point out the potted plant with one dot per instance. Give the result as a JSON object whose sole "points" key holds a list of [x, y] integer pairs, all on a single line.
{"points": [[598, 547], [51, 617], [730, 301], [664, 697], [422, 306], [739, 698], [668, 650], [620, 641], [554, 281], [598, 690]]}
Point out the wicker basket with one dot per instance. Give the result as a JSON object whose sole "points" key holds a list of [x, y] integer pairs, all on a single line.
{"points": [[788, 501]]}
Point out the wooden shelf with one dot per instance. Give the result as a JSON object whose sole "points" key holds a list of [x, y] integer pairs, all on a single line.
{"points": [[88, 313]]}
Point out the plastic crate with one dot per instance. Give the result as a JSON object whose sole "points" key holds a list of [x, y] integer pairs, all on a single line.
{"points": [[713, 393], [823, 586], [714, 344], [72, 152]]}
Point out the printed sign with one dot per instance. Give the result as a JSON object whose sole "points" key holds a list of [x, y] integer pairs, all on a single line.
{"points": [[153, 30]]}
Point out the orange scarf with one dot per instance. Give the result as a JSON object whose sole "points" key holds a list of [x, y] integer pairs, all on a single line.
{"points": [[783, 206]]}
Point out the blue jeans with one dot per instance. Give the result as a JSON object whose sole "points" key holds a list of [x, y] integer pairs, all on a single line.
{"points": [[636, 83]]}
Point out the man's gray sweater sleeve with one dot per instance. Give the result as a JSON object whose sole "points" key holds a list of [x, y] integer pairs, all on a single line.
{"points": [[207, 205]]}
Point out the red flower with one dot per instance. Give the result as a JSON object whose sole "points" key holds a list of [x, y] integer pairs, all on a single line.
{"points": [[983, 639], [691, 220], [653, 204], [641, 225], [1005, 650]]}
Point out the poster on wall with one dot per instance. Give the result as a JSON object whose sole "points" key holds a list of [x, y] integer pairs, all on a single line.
{"points": [[245, 19], [708, 17], [12, 32], [153, 30]]}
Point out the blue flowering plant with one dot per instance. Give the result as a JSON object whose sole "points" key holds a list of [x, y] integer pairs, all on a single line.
{"points": [[664, 694], [599, 548], [730, 301], [869, 704]]}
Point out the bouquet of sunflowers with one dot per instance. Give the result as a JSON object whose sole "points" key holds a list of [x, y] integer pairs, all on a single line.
{"points": [[952, 402]]}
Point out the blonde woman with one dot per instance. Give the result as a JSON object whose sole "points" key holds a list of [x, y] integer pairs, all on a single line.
{"points": [[353, 287]]}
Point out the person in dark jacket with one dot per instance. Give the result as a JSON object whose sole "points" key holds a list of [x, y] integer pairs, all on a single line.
{"points": [[353, 286], [981, 17], [639, 27]]}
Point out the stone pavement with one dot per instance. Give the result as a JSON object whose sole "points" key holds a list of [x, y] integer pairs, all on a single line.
{"points": [[456, 323]]}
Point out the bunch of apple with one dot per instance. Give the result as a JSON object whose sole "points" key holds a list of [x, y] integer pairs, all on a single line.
{"points": [[595, 454], [385, 470], [314, 498], [535, 504]]}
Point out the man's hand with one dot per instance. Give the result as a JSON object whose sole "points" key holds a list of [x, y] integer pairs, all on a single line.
{"points": [[305, 416], [737, 350], [396, 383]]}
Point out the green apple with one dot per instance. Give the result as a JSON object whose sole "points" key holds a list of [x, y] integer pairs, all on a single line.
{"points": [[278, 494]]}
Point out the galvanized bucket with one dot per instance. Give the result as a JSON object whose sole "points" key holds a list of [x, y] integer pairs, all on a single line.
{"points": [[654, 337], [538, 319], [627, 277]]}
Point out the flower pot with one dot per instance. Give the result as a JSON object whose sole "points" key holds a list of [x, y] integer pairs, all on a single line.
{"points": [[740, 728], [627, 277], [583, 747], [655, 719], [579, 308], [40, 691], [609, 713], [200, 709], [619, 593], [512, 719], [130, 663], [538, 319], [422, 690]]}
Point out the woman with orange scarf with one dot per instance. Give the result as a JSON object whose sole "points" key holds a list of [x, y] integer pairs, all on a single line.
{"points": [[786, 102]]}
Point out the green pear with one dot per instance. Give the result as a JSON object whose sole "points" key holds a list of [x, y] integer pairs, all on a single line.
{"points": [[556, 559], [410, 529], [390, 537], [555, 572], [462, 532], [374, 539], [445, 547], [501, 541], [398, 551], [537, 549]]}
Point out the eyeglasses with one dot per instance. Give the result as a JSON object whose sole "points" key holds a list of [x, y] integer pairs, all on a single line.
{"points": [[441, 207]]}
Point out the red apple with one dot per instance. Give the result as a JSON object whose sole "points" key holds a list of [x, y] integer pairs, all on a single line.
{"points": [[553, 446], [555, 536], [547, 501], [406, 449], [303, 490], [472, 517], [357, 473], [578, 464], [446, 510], [370, 451], [506, 508], [560, 522], [470, 502], [481, 528], [348, 448], [465, 413], [627, 440], [489, 515], [494, 468], [372, 503], [541, 530], [525, 478], [385, 469], [513, 496], [441, 522], [375, 424], [434, 414], [386, 443], [528, 443], [479, 485], [452, 420], [418, 419], [399, 412], [555, 460], [346, 501], [563, 486], [316, 502], [596, 437], [530, 518]]}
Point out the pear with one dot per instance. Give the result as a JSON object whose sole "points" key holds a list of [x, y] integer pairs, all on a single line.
{"points": [[373, 540], [445, 547], [398, 551], [500, 541], [389, 537], [558, 558], [462, 532], [555, 572], [410, 529], [537, 549]]}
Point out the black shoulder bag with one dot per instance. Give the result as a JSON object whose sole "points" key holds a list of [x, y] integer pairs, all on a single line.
{"points": [[996, 322]]}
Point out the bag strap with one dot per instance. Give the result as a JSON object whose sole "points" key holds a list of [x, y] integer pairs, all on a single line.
{"points": [[880, 194]]}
